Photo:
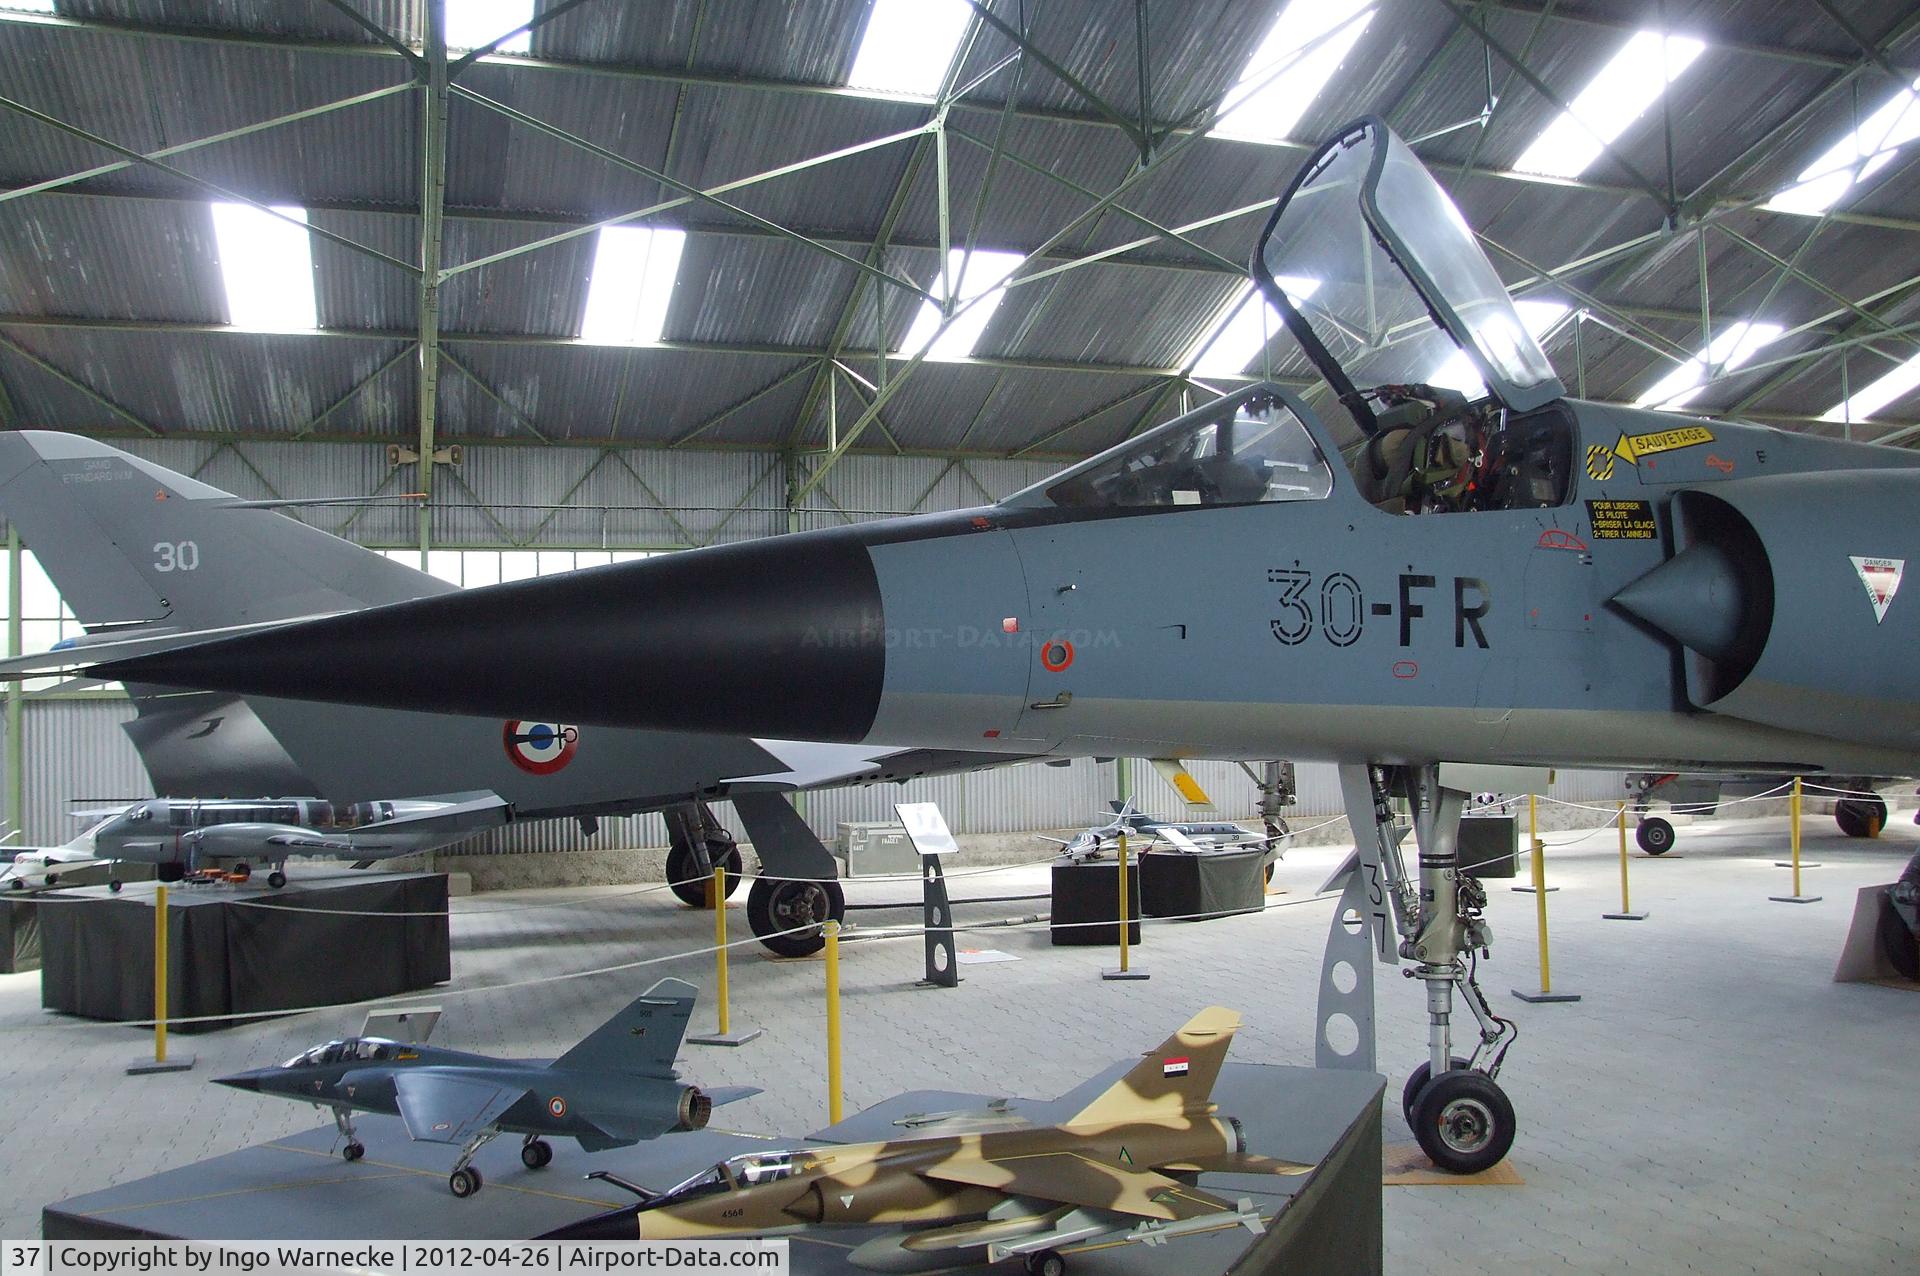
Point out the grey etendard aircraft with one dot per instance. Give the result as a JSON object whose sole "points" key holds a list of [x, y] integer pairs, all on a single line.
{"points": [[143, 554], [1501, 578], [1120, 1171], [615, 1088]]}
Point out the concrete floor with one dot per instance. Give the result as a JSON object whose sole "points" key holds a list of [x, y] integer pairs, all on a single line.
{"points": [[1714, 1104]]}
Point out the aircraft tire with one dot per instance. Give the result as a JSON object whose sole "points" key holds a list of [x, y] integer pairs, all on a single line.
{"points": [[353, 1151], [1464, 1122], [243, 871], [690, 888], [53, 879], [1048, 1262], [276, 879], [114, 885], [774, 906], [17, 884], [537, 1154], [1861, 817], [1655, 835], [170, 872], [1418, 1082], [464, 1183]]}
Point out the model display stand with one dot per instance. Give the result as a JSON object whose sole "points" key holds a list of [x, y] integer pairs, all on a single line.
{"points": [[1202, 884], [331, 935], [297, 1187], [1087, 893], [19, 934]]}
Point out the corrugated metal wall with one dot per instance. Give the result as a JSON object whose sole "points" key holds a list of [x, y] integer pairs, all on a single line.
{"points": [[614, 498]]}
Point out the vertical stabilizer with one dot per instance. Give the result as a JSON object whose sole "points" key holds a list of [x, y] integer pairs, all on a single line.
{"points": [[1172, 1080], [642, 1039]]}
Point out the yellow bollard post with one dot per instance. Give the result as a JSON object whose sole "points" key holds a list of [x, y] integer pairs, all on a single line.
{"points": [[1126, 969], [1626, 913], [1793, 816], [1546, 992], [833, 1023], [160, 947], [160, 1062], [724, 1035]]}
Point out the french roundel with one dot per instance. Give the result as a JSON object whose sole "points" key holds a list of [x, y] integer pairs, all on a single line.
{"points": [[557, 1106], [540, 747]]}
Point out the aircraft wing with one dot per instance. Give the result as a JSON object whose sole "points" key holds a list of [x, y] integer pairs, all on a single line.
{"points": [[78, 656], [1071, 1179], [731, 1093], [444, 1109]]}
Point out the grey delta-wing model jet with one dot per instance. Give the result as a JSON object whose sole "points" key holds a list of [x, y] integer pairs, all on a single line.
{"points": [[614, 1089], [1503, 576], [145, 555]]}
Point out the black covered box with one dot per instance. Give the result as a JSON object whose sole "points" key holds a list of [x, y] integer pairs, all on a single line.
{"points": [[1203, 884], [1085, 893], [329, 937], [1489, 845], [19, 935]]}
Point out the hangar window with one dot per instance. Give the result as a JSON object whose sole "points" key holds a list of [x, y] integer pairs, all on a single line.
{"points": [[634, 269], [1730, 347], [1620, 92], [1293, 62], [1242, 331], [474, 24], [974, 280], [909, 45], [1854, 158], [266, 266]]}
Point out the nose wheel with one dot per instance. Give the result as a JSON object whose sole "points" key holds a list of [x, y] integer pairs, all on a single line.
{"points": [[1463, 1121], [464, 1183]]}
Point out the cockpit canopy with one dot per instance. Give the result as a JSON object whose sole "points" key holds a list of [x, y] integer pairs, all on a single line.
{"points": [[1379, 278], [346, 1050], [750, 1169], [1243, 449]]}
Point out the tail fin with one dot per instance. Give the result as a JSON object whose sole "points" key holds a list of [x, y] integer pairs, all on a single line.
{"points": [[1173, 1080], [126, 540], [642, 1039]]}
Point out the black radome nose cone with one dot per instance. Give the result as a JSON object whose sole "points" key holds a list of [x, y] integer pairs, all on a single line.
{"points": [[614, 1225]]}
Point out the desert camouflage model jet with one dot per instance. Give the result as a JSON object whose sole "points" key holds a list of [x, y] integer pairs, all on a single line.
{"points": [[1503, 579], [614, 1089], [141, 552], [1118, 1171]]}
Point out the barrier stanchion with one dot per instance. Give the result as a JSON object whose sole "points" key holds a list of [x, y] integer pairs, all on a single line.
{"points": [[1793, 814], [834, 1102], [1540, 889], [1626, 913], [161, 944], [723, 1035], [1533, 840], [1126, 969]]}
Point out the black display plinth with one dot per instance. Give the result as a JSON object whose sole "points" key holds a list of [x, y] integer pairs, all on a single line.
{"points": [[329, 936], [298, 1187], [1087, 894], [1489, 845], [1202, 884], [19, 935]]}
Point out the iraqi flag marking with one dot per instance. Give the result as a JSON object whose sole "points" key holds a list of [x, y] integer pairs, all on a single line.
{"points": [[1175, 1067]]}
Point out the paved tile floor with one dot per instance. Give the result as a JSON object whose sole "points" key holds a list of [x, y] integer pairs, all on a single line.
{"points": [[1714, 1104]]}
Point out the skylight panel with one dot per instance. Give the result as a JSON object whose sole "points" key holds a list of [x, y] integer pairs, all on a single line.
{"points": [[474, 24], [267, 267], [1235, 340], [1732, 347], [1267, 101], [1894, 385], [1458, 371], [1624, 90], [1854, 158], [908, 45], [984, 273], [634, 268], [28, 6]]}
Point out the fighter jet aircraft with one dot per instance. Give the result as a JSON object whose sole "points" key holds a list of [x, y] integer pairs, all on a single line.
{"points": [[1503, 577], [615, 1088], [181, 836], [1858, 810], [1120, 1171], [44, 865], [144, 554]]}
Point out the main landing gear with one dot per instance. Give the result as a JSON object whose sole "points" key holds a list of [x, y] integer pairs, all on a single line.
{"points": [[465, 1180], [798, 908], [536, 1153], [1454, 1105], [696, 841]]}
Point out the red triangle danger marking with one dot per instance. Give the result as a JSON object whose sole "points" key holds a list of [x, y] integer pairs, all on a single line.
{"points": [[1881, 576]]}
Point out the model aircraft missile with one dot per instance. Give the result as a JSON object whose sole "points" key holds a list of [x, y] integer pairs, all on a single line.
{"points": [[613, 1089], [1499, 575], [1120, 1170]]}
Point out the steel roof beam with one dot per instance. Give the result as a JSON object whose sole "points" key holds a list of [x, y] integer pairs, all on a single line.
{"points": [[433, 197]]}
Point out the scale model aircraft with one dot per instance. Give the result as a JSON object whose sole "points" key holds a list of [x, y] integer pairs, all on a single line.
{"points": [[614, 1089], [45, 865], [1502, 579], [1121, 1170]]}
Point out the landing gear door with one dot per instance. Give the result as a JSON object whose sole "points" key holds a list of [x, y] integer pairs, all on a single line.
{"points": [[1379, 278]]}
